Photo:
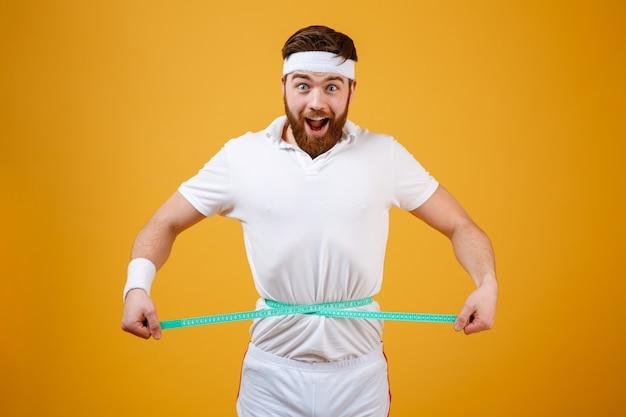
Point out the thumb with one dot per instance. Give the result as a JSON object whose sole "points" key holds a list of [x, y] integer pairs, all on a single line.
{"points": [[462, 318], [153, 324]]}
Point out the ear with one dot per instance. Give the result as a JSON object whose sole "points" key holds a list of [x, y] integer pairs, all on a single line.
{"points": [[353, 88]]}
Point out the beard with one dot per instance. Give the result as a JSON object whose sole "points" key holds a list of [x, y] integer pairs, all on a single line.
{"points": [[315, 146]]}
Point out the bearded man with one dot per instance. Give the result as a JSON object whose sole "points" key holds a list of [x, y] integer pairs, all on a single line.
{"points": [[313, 192]]}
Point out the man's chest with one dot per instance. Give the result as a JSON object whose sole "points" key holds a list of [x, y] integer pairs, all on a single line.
{"points": [[339, 189]]}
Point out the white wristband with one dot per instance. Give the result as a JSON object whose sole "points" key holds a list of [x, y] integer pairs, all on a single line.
{"points": [[141, 272]]}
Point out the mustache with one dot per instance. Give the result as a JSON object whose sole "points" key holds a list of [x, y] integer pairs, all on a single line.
{"points": [[316, 115]]}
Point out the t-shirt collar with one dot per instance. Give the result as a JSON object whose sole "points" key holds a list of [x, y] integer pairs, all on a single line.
{"points": [[275, 129]]}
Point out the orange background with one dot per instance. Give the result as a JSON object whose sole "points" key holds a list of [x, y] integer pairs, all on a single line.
{"points": [[517, 108]]}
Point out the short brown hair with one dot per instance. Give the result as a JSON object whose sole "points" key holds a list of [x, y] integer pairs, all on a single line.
{"points": [[320, 38]]}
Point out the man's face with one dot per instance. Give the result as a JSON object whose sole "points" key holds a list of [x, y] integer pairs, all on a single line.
{"points": [[316, 105]]}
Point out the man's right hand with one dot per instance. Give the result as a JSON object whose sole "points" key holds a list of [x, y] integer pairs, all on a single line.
{"points": [[140, 317]]}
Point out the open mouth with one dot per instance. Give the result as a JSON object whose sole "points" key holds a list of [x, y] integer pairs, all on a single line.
{"points": [[316, 124]]}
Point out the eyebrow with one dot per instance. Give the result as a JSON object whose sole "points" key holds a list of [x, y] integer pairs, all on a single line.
{"points": [[306, 77]]}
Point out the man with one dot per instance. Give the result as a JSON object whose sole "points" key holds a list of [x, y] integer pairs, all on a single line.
{"points": [[313, 192]]}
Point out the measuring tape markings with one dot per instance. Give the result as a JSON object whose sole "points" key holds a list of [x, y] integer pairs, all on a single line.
{"points": [[329, 309]]}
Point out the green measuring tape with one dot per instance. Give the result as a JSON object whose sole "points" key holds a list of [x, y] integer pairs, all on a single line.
{"points": [[331, 309]]}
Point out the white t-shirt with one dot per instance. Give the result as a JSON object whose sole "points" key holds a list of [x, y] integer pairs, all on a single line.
{"points": [[315, 230]]}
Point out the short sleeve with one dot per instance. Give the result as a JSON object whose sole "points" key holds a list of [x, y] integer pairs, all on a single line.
{"points": [[210, 190], [412, 184]]}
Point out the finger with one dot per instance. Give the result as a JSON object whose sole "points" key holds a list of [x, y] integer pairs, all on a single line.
{"points": [[463, 317], [153, 324], [476, 325], [137, 328], [142, 330]]}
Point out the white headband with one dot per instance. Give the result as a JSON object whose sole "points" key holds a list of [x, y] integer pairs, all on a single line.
{"points": [[319, 61]]}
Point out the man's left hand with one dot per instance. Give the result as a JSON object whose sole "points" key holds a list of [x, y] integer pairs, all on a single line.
{"points": [[479, 311]]}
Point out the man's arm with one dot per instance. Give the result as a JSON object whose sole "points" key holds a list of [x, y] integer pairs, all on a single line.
{"points": [[474, 252], [154, 242], [156, 238]]}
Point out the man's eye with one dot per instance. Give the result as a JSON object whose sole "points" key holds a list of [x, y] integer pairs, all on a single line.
{"points": [[334, 86], [300, 85]]}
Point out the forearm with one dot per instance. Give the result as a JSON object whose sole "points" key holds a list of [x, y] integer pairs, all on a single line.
{"points": [[474, 252], [154, 242]]}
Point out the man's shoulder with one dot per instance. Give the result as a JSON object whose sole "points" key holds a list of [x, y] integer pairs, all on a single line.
{"points": [[249, 138], [379, 136], [374, 138], [271, 131]]}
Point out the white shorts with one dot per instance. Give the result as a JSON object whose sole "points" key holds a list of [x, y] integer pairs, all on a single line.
{"points": [[272, 385]]}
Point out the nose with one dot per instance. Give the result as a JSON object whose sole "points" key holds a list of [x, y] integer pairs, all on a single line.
{"points": [[316, 102]]}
